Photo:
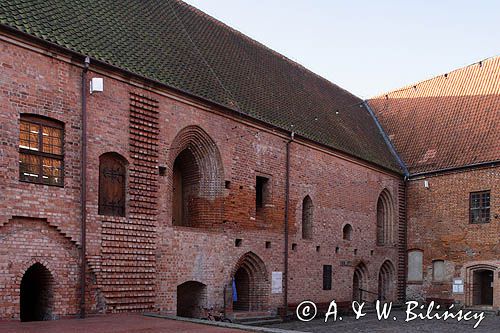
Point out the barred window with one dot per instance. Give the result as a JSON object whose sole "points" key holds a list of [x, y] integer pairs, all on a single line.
{"points": [[41, 158], [479, 207]]}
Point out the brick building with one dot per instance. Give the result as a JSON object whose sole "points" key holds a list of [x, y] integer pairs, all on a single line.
{"points": [[206, 161], [447, 131]]}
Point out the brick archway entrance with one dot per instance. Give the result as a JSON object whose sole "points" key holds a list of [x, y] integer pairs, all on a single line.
{"points": [[386, 283], [36, 294], [479, 281], [359, 283], [251, 284], [482, 287], [191, 298]]}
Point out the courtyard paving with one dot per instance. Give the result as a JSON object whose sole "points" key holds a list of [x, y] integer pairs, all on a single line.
{"points": [[136, 323], [370, 323], [122, 323]]}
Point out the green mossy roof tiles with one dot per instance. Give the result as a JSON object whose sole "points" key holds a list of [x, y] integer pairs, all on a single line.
{"points": [[180, 46]]}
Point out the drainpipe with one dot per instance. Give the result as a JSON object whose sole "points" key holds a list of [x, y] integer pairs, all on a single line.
{"points": [[83, 189], [287, 199]]}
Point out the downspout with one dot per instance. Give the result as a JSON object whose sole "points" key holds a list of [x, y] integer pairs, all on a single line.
{"points": [[287, 204], [83, 190]]}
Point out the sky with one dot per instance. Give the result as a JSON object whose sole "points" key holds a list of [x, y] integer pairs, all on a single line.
{"points": [[369, 47]]}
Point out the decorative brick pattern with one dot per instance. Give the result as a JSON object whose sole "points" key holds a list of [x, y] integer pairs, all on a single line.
{"points": [[128, 265]]}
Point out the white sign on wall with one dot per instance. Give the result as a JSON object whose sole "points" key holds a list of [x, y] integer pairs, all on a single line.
{"points": [[277, 283], [458, 286]]}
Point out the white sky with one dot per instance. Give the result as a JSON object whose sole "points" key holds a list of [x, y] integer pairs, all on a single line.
{"points": [[369, 47]]}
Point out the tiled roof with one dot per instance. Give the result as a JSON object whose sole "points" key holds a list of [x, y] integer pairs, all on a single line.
{"points": [[180, 46], [452, 120]]}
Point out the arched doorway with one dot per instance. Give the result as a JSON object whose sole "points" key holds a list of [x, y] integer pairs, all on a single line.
{"points": [[482, 287], [191, 299], [359, 283], [251, 284], [36, 294], [386, 282], [242, 284]]}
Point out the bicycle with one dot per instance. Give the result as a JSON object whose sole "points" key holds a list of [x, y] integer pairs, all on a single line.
{"points": [[212, 317]]}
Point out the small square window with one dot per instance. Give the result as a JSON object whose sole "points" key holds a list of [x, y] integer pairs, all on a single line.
{"points": [[294, 247], [268, 245], [479, 204], [237, 242]]}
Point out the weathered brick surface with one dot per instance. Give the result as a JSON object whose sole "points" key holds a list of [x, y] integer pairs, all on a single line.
{"points": [[28, 241], [136, 262], [342, 193], [438, 224]]}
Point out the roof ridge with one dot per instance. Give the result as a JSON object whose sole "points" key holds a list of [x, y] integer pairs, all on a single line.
{"points": [[414, 85], [259, 44]]}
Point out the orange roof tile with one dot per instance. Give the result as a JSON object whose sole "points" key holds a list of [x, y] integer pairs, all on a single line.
{"points": [[452, 120]]}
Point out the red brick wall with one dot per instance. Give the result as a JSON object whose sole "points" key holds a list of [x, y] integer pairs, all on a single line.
{"points": [[29, 241], [136, 262], [438, 224], [342, 193]]}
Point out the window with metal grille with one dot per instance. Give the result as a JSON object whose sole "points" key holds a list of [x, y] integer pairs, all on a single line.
{"points": [[479, 207], [112, 184], [327, 277], [41, 156]]}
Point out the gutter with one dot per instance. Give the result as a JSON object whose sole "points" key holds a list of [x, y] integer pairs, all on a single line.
{"points": [[83, 189], [452, 169], [387, 141]]}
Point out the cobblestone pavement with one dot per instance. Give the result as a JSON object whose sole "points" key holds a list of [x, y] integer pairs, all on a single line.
{"points": [[370, 323], [123, 323]]}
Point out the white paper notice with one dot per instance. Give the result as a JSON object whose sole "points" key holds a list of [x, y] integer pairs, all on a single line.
{"points": [[458, 286], [277, 283]]}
